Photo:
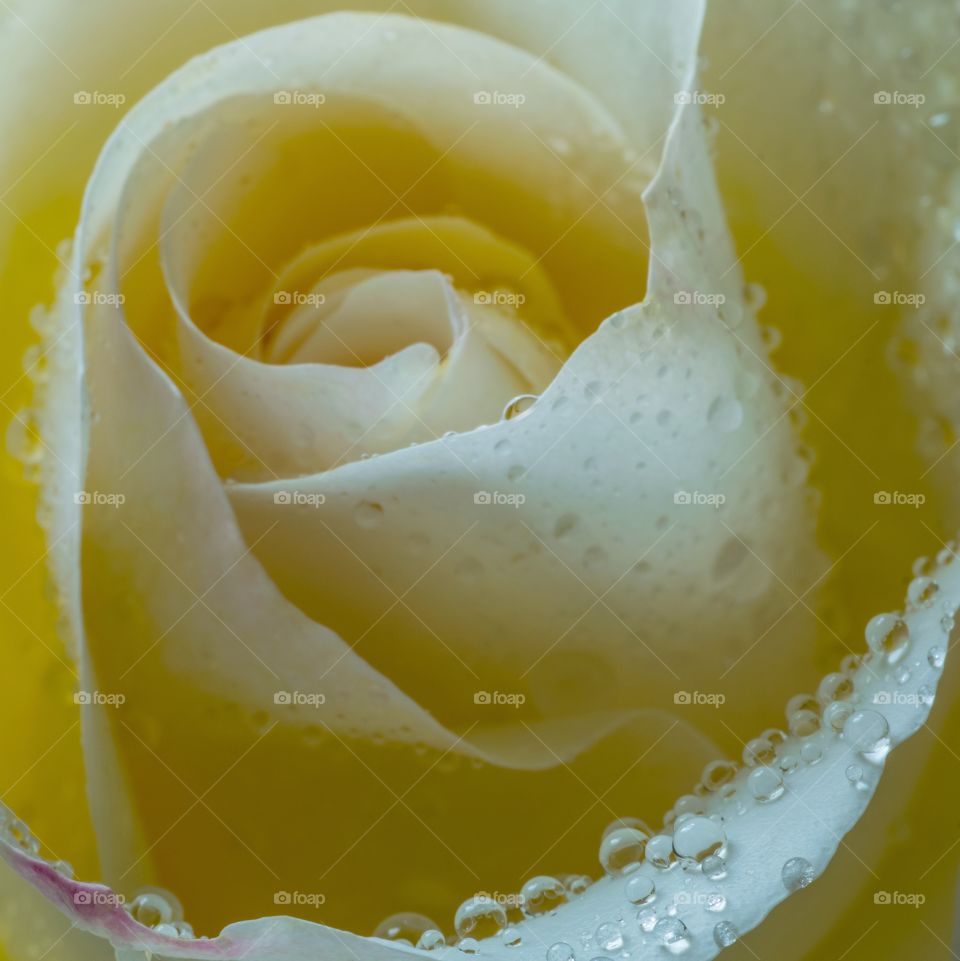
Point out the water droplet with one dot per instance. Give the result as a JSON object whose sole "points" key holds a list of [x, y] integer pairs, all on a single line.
{"points": [[718, 773], [576, 884], [468, 945], [797, 873], [480, 917], [672, 934], [634, 823], [766, 784], [697, 838], [647, 919], [561, 951], [640, 889], [23, 438], [153, 906], [660, 851], [714, 868], [511, 938], [725, 414], [725, 934], [854, 773], [811, 752], [868, 733], [715, 902], [835, 687], [17, 831], [368, 514], [758, 751], [431, 940], [541, 895], [835, 715], [888, 636], [804, 723], [922, 591], [772, 337], [609, 936], [621, 851], [936, 657], [519, 405], [406, 926], [755, 296], [801, 702]]}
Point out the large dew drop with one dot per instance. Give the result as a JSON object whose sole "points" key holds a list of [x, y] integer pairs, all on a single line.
{"points": [[766, 784], [696, 838], [868, 733], [640, 889], [672, 934], [888, 636], [407, 927], [431, 940], [561, 951], [480, 917], [725, 934], [622, 850], [609, 936], [155, 906], [797, 873], [542, 894]]}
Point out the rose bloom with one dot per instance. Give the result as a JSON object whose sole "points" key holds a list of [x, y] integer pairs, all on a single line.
{"points": [[458, 455]]}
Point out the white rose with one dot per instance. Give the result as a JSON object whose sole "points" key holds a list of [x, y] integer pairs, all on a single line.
{"points": [[348, 640]]}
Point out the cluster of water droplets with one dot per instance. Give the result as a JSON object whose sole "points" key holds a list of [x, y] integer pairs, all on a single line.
{"points": [[160, 910], [848, 707]]}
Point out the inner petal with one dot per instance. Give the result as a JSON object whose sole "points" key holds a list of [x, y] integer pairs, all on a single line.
{"points": [[377, 317]]}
